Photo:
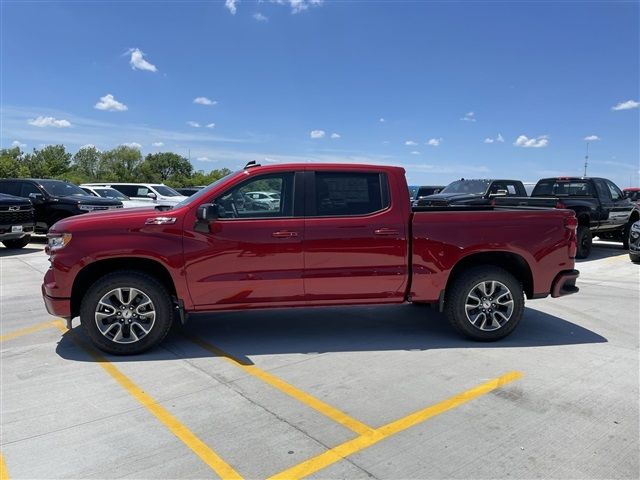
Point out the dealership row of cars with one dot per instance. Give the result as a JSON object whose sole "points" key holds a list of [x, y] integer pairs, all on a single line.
{"points": [[32, 206]]}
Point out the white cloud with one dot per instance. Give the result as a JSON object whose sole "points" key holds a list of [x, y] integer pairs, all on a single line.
{"points": [[110, 104], [158, 144], [210, 125], [498, 139], [88, 145], [335, 135], [410, 143], [138, 62], [534, 142], [298, 6], [260, 17], [49, 122], [203, 159], [628, 105], [16, 143], [193, 124], [592, 138], [415, 152], [204, 101], [315, 134], [434, 142], [469, 117], [135, 145], [231, 6], [382, 120]]}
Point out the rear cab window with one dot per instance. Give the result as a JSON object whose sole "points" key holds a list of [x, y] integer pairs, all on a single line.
{"points": [[553, 188]]}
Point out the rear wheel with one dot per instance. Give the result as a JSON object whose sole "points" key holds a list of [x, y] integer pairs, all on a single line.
{"points": [[126, 312], [17, 242], [485, 303], [584, 241]]}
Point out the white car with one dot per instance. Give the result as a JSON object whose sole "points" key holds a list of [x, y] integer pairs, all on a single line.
{"points": [[108, 192], [269, 199], [156, 193]]}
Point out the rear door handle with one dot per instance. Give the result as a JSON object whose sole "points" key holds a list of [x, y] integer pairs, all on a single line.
{"points": [[386, 231], [284, 234]]}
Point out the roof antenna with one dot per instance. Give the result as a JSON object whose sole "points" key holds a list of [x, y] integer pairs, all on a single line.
{"points": [[251, 164]]}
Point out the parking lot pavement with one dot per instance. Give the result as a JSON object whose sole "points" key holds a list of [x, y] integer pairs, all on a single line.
{"points": [[363, 392]]}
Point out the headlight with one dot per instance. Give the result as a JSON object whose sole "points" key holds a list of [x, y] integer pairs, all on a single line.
{"points": [[57, 241]]}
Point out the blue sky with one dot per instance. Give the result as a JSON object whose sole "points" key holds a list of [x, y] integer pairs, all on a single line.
{"points": [[444, 89]]}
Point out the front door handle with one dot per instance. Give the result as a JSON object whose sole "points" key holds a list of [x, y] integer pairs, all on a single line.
{"points": [[386, 231], [284, 234]]}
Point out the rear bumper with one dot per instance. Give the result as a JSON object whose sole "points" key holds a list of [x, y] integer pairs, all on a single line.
{"points": [[565, 283], [59, 307]]}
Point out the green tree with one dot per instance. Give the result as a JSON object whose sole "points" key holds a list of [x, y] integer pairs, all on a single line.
{"points": [[201, 178], [86, 163], [11, 163], [121, 164], [51, 161], [160, 167]]}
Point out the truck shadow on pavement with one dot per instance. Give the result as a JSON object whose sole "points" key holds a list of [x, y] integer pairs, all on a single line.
{"points": [[10, 252], [316, 330], [602, 250]]}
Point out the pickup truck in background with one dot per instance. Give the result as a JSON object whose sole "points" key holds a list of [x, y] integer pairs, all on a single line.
{"points": [[54, 200], [473, 192], [341, 235], [600, 206], [425, 191], [16, 221]]}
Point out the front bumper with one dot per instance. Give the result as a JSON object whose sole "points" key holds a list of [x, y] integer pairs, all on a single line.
{"points": [[565, 283], [59, 307]]}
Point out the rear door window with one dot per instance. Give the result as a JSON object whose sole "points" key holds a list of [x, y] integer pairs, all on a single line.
{"points": [[339, 194]]}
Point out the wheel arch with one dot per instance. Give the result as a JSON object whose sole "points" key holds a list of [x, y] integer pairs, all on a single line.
{"points": [[513, 263], [93, 271]]}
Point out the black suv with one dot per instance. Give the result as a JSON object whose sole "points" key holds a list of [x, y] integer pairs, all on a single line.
{"points": [[54, 200], [16, 221]]}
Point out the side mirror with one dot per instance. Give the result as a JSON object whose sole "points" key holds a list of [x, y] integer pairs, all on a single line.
{"points": [[152, 195], [36, 196], [208, 212]]}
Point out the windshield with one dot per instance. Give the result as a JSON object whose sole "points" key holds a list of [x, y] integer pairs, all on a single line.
{"points": [[57, 188], [552, 188], [166, 191], [110, 193], [476, 187], [274, 195], [205, 191]]}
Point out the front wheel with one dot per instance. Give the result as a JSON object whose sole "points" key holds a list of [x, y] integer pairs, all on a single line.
{"points": [[17, 242], [634, 257], [126, 313], [485, 303]]}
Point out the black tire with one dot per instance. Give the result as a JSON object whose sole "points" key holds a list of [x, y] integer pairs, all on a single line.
{"points": [[635, 257], [584, 241], [465, 287], [17, 242], [127, 280], [625, 234]]}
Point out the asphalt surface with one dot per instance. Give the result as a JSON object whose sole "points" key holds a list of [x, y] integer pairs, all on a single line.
{"points": [[328, 393]]}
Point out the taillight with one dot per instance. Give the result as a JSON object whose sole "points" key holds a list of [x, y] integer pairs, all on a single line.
{"points": [[571, 224]]}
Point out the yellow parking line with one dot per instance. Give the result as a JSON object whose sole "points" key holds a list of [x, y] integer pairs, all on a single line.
{"points": [[206, 454], [303, 397], [26, 331], [359, 443], [4, 472]]}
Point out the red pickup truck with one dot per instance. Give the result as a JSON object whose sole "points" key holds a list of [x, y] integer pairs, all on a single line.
{"points": [[337, 235]]}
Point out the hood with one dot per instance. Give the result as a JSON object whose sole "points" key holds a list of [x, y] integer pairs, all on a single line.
{"points": [[121, 219], [89, 200], [451, 197], [8, 200]]}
